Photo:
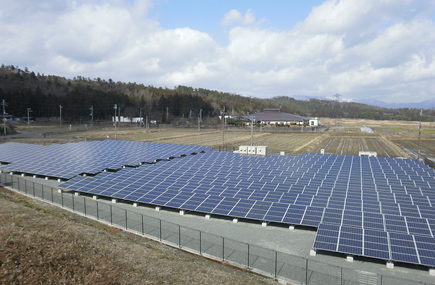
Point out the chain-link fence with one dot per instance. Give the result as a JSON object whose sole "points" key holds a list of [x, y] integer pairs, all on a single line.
{"points": [[271, 263]]}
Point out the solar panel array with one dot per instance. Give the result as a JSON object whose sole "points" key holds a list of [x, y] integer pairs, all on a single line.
{"points": [[362, 206], [68, 160], [374, 207]]}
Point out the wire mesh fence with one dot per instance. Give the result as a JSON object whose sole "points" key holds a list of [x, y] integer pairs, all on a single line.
{"points": [[267, 262]]}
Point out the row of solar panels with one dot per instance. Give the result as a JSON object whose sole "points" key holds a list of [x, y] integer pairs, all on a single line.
{"points": [[309, 190], [68, 160], [376, 202], [372, 194], [408, 248]]}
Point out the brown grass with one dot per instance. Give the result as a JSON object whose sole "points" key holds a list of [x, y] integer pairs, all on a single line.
{"points": [[42, 244]]}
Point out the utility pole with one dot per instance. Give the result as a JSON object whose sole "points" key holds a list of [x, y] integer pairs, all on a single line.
{"points": [[92, 115], [116, 108], [140, 118], [146, 123], [419, 134], [199, 120], [252, 131], [167, 114], [223, 124], [4, 115], [60, 109], [119, 116], [28, 116]]}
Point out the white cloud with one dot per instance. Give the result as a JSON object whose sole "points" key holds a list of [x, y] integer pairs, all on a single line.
{"points": [[379, 49], [235, 17]]}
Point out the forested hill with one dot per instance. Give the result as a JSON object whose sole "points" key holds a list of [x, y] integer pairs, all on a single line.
{"points": [[22, 89]]}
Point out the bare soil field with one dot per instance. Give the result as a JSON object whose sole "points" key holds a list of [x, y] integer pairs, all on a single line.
{"points": [[390, 138], [352, 145], [427, 147], [43, 244]]}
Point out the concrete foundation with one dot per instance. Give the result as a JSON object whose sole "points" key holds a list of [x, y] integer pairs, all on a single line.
{"points": [[182, 212], [264, 224], [432, 271], [349, 258], [114, 201], [46, 178], [235, 220], [77, 193], [22, 175], [313, 252], [95, 197], [390, 265], [59, 190], [158, 208], [208, 217], [134, 204], [292, 228]]}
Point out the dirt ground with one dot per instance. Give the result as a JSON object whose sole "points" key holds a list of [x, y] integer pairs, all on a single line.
{"points": [[390, 138], [43, 244]]}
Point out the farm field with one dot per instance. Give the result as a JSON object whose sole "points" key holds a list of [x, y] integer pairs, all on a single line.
{"points": [[291, 143], [427, 147], [390, 138], [351, 145]]}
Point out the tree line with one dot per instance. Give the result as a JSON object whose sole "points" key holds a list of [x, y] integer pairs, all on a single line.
{"points": [[44, 94]]}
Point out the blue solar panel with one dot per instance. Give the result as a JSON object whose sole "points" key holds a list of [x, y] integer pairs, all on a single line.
{"points": [[374, 196]]}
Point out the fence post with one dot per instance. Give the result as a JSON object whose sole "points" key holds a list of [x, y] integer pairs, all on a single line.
{"points": [[72, 201], [143, 232], [98, 216], [42, 190], [84, 205], [110, 214], [18, 185], [200, 243], [33, 189], [25, 186], [52, 199], [223, 249], [341, 275], [61, 196], [179, 236], [276, 262], [160, 230], [248, 255], [125, 219], [306, 272]]}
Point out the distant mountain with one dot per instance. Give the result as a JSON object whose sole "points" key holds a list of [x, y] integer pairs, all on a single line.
{"points": [[428, 104]]}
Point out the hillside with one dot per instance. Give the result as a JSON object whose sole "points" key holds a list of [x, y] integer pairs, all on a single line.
{"points": [[22, 89]]}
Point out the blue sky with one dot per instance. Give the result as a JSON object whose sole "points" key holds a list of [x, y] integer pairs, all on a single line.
{"points": [[363, 50], [206, 15]]}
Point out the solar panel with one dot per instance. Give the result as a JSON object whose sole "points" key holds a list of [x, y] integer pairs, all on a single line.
{"points": [[375, 207]]}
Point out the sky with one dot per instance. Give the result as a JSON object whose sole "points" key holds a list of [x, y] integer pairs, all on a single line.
{"points": [[363, 50]]}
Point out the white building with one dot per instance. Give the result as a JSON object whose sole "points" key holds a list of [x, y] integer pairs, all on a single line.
{"points": [[315, 122]]}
